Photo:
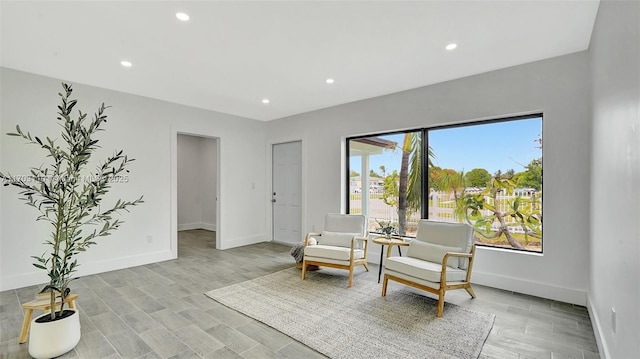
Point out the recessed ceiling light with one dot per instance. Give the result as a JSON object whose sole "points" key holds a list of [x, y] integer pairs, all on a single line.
{"points": [[451, 46], [126, 63], [265, 101], [182, 16], [329, 81]]}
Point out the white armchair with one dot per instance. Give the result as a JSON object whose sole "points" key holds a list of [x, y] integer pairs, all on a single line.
{"points": [[438, 260], [343, 244]]}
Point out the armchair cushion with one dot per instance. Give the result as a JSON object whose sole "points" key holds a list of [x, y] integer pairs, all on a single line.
{"points": [[433, 252], [332, 252], [341, 239], [345, 223], [420, 269], [447, 234]]}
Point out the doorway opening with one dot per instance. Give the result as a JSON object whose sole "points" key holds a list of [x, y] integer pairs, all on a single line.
{"points": [[197, 192]]}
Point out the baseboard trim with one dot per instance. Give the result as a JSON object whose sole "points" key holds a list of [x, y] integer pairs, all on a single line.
{"points": [[603, 349], [200, 225], [284, 243], [543, 290], [242, 241], [88, 268], [125, 262]]}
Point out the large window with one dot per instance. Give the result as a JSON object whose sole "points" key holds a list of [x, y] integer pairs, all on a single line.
{"points": [[487, 174], [385, 180]]}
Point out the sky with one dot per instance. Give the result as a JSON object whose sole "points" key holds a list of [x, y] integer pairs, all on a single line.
{"points": [[493, 146]]}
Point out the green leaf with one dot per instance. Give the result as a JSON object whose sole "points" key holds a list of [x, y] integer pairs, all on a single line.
{"points": [[516, 203]]}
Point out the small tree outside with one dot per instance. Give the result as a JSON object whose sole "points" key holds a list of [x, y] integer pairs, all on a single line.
{"points": [[477, 177], [532, 177], [390, 186], [525, 213]]}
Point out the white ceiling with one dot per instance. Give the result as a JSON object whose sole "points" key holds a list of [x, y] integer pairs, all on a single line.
{"points": [[232, 54]]}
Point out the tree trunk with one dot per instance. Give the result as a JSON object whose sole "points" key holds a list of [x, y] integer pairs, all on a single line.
{"points": [[504, 229]]}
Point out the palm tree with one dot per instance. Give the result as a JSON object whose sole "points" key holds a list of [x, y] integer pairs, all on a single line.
{"points": [[453, 182], [410, 183], [407, 194]]}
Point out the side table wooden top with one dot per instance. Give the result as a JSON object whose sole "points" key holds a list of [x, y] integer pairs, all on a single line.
{"points": [[394, 241]]}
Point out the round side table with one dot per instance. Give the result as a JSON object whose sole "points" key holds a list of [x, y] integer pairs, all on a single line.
{"points": [[383, 241]]}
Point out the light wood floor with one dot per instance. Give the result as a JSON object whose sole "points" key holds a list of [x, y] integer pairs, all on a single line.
{"points": [[159, 311]]}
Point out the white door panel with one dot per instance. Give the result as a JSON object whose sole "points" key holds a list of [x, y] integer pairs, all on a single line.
{"points": [[286, 194]]}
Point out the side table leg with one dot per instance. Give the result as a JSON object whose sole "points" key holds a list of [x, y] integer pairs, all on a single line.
{"points": [[380, 264]]}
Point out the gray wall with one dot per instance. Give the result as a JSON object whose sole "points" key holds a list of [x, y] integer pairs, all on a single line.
{"points": [[147, 130], [615, 188], [558, 87]]}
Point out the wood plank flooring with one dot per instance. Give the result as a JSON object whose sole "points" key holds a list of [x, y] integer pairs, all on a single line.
{"points": [[159, 311]]}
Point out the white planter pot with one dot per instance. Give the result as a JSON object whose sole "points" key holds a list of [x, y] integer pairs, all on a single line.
{"points": [[52, 339]]}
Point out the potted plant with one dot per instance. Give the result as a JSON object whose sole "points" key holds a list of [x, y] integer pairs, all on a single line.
{"points": [[68, 196], [386, 228]]}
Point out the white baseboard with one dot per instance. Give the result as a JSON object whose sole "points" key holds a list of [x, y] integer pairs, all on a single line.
{"points": [[38, 277], [543, 290], [188, 226], [208, 226], [283, 243], [200, 225], [243, 241], [125, 262], [603, 349], [22, 280]]}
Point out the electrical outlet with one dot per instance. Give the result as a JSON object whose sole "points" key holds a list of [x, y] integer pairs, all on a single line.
{"points": [[149, 239], [613, 319]]}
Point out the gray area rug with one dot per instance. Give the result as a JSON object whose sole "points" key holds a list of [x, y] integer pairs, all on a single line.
{"points": [[357, 322]]}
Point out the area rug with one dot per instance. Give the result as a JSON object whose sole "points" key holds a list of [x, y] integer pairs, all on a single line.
{"points": [[340, 322]]}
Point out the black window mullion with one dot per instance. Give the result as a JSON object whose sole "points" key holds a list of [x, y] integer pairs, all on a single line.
{"points": [[424, 208]]}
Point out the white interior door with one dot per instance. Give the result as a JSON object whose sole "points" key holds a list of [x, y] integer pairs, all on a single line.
{"points": [[286, 194]]}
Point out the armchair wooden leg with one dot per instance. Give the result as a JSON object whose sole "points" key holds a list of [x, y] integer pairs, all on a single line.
{"points": [[384, 285], [440, 305], [304, 269], [366, 266], [350, 276], [470, 291]]}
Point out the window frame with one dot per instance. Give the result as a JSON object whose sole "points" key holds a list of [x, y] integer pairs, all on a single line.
{"points": [[424, 133]]}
